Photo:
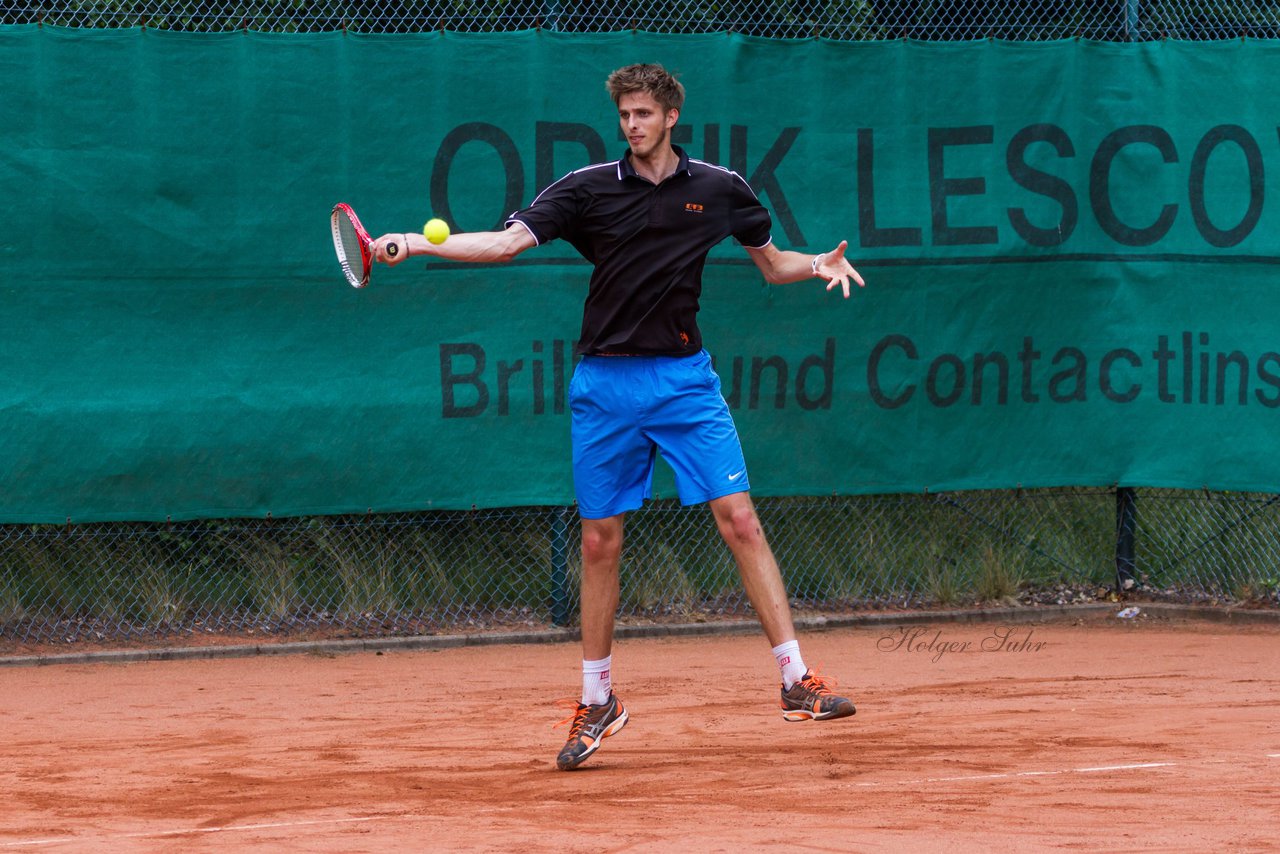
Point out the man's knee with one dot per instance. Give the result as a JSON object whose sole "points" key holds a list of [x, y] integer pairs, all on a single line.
{"points": [[740, 524], [601, 543]]}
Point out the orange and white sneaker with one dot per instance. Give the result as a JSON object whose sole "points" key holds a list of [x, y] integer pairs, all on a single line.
{"points": [[588, 726], [812, 699]]}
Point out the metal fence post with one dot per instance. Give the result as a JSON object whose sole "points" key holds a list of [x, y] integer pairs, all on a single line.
{"points": [[559, 566], [1132, 19], [551, 15], [1126, 526]]}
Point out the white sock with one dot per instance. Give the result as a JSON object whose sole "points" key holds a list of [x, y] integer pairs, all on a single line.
{"points": [[597, 684], [790, 663]]}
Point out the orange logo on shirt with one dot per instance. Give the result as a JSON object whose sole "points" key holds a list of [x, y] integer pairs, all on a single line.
{"points": [[692, 207], [684, 338]]}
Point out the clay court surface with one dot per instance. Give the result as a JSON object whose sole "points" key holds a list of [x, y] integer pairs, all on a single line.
{"points": [[1093, 734]]}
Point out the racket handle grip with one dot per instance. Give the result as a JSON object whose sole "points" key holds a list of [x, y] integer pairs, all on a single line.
{"points": [[393, 249]]}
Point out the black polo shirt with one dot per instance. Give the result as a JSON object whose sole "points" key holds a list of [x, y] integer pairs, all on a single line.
{"points": [[648, 244]]}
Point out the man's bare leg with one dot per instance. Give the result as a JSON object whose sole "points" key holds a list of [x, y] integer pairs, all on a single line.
{"points": [[740, 526], [597, 717], [805, 696], [601, 557]]}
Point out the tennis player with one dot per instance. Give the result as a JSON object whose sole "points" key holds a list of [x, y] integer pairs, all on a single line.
{"points": [[644, 383]]}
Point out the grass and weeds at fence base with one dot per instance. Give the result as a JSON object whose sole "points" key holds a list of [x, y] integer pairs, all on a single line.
{"points": [[433, 572]]}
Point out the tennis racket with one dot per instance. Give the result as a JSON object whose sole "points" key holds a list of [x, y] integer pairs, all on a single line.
{"points": [[354, 245]]}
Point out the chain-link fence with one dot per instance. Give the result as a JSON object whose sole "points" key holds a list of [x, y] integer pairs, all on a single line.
{"points": [[1114, 20], [424, 573], [428, 572]]}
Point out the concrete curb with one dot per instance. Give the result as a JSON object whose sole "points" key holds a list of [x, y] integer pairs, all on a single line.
{"points": [[1211, 614], [1037, 614]]}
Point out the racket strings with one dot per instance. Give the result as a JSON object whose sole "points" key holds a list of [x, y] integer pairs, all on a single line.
{"points": [[350, 249]]}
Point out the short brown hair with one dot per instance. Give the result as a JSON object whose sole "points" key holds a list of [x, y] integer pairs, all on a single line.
{"points": [[653, 80]]}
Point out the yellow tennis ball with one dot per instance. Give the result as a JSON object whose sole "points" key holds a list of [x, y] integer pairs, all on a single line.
{"points": [[436, 230]]}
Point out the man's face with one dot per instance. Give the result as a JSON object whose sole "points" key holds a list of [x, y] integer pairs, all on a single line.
{"points": [[644, 123]]}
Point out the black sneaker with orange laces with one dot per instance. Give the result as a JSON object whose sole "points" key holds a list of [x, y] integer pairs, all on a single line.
{"points": [[588, 726], [812, 699]]}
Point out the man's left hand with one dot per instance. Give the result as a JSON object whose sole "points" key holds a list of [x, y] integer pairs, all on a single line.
{"points": [[837, 270]]}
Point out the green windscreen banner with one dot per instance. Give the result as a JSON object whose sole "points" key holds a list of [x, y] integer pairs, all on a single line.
{"points": [[1071, 255]]}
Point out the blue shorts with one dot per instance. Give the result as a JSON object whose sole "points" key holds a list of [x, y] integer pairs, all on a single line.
{"points": [[628, 408]]}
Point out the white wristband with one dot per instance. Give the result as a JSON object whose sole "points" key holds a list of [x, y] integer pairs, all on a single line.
{"points": [[813, 268]]}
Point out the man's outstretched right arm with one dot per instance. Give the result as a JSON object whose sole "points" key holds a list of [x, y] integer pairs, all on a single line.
{"points": [[476, 246]]}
